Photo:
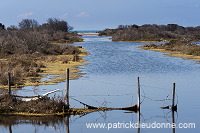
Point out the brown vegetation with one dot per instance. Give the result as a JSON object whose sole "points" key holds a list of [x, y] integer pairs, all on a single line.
{"points": [[19, 66], [22, 46]]}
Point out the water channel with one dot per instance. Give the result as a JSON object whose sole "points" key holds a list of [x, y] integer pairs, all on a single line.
{"points": [[109, 80]]}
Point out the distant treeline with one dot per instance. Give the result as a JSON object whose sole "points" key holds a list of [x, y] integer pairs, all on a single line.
{"points": [[152, 32]]}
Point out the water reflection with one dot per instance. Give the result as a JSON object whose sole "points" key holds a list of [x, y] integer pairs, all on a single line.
{"points": [[59, 124], [168, 124], [138, 121], [53, 122], [67, 124], [173, 122]]}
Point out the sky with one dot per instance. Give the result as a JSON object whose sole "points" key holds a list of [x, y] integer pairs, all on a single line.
{"points": [[102, 14]]}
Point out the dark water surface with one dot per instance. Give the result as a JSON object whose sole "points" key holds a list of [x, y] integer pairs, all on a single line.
{"points": [[110, 81]]}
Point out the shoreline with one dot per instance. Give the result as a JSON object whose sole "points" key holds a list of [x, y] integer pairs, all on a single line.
{"points": [[173, 54], [57, 69]]}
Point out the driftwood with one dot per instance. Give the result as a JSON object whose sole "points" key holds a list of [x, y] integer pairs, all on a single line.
{"points": [[26, 96], [36, 97], [131, 108]]}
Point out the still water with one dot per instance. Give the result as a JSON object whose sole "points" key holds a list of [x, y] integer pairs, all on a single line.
{"points": [[110, 81]]}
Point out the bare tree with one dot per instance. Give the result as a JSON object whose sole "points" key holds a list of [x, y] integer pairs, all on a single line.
{"points": [[57, 25], [28, 24]]}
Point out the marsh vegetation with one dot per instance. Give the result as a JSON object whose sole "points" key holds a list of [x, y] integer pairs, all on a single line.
{"points": [[24, 47]]}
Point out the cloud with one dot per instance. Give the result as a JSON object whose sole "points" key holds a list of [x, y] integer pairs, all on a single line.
{"points": [[83, 14], [64, 16], [25, 15]]}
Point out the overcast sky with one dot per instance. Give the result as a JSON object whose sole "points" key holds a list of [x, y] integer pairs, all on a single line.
{"points": [[101, 14]]}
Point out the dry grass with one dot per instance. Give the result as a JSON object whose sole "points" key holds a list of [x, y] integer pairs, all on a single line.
{"points": [[20, 66]]}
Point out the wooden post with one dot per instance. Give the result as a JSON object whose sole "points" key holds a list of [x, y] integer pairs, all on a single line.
{"points": [[138, 83], [173, 96], [9, 83], [67, 88]]}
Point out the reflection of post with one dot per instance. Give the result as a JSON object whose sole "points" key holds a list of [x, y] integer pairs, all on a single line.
{"points": [[173, 122], [138, 83], [138, 131], [10, 128], [67, 123]]}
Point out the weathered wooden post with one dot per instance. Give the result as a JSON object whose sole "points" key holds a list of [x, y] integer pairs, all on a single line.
{"points": [[138, 84], [67, 88], [9, 83], [173, 96], [174, 107]]}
